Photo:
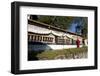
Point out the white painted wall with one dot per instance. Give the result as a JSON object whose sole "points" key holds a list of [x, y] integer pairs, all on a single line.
{"points": [[42, 30], [37, 29], [54, 47], [51, 47]]}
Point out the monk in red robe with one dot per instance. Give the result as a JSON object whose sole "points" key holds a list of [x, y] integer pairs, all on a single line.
{"points": [[78, 43]]}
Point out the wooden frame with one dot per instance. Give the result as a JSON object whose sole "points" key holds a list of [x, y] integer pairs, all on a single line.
{"points": [[15, 37]]}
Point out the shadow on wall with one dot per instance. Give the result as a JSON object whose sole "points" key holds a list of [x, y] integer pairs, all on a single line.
{"points": [[35, 48]]}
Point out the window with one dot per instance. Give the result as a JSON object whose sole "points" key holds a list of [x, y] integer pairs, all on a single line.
{"points": [[34, 38], [60, 40], [43, 38], [40, 38], [73, 42], [51, 39], [67, 41], [30, 37]]}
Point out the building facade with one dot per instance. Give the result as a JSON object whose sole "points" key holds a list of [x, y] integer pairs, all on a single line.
{"points": [[41, 33]]}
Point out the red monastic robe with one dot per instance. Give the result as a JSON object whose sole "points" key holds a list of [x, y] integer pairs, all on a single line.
{"points": [[78, 43]]}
